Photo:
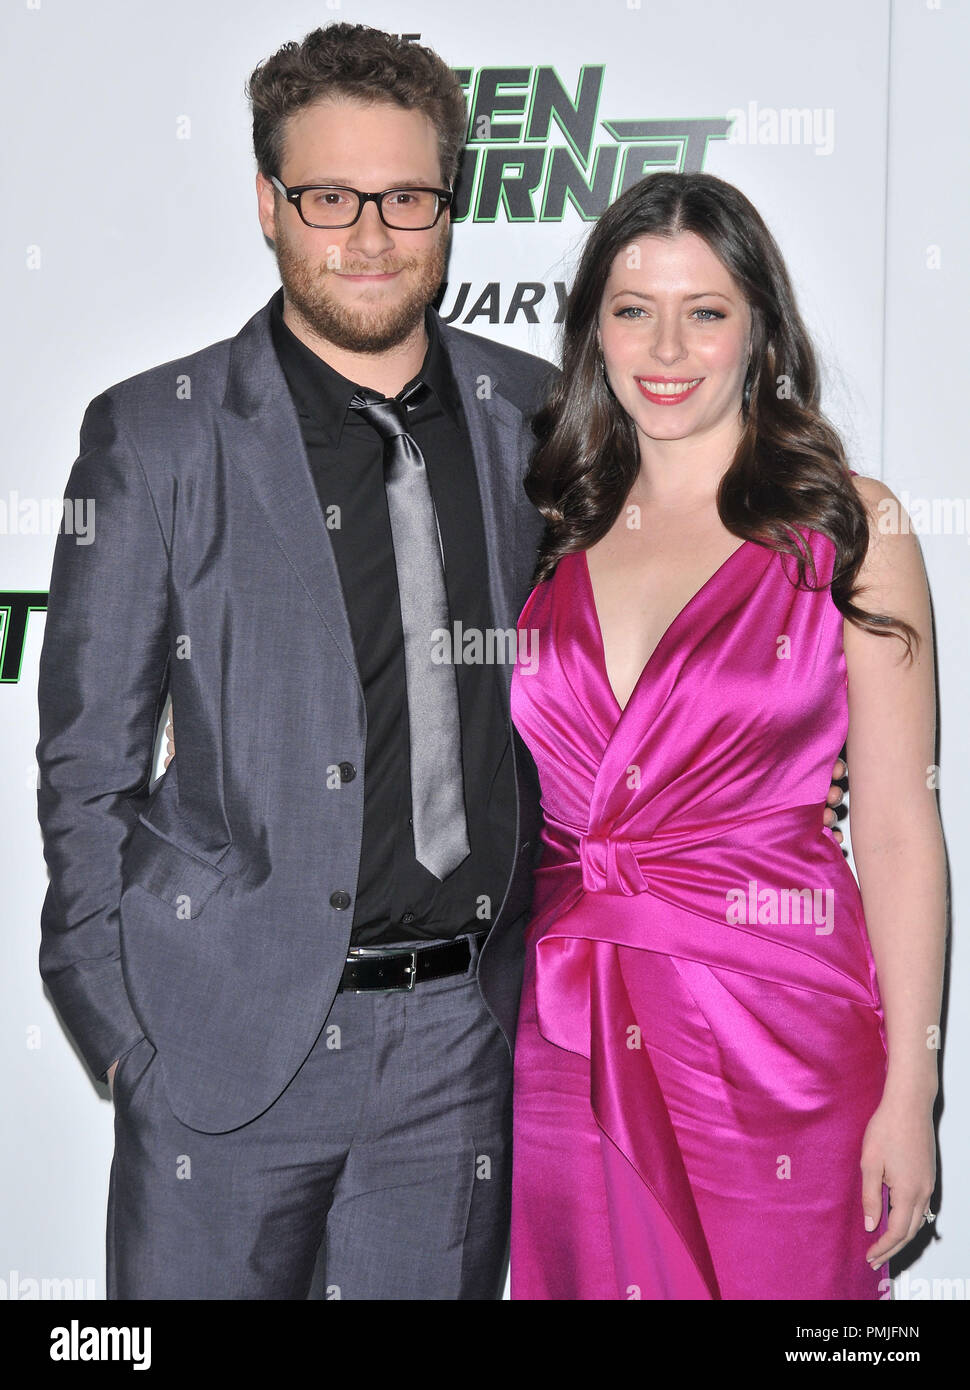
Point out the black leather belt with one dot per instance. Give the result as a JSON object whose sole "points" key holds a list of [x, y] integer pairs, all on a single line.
{"points": [[406, 966]]}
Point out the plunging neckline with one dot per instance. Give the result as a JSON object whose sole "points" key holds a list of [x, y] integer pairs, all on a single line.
{"points": [[675, 620]]}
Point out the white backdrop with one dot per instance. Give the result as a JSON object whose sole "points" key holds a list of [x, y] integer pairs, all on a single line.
{"points": [[130, 237]]}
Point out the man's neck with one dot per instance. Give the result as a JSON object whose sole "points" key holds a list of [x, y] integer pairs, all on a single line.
{"points": [[386, 372]]}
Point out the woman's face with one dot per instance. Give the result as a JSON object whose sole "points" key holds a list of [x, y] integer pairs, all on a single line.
{"points": [[675, 332]]}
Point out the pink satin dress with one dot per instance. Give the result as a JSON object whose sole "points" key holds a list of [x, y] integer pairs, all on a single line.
{"points": [[701, 1042]]}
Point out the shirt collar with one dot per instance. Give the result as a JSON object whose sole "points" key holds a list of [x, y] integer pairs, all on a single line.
{"points": [[323, 396]]}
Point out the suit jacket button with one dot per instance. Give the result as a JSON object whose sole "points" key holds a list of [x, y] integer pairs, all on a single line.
{"points": [[347, 772], [340, 899]]}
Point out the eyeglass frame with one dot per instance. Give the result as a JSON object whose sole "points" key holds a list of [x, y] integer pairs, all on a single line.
{"points": [[295, 193]]}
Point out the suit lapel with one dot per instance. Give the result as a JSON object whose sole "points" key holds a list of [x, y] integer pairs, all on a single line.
{"points": [[265, 442]]}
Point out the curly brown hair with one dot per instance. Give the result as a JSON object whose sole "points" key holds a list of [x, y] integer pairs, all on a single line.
{"points": [[789, 471], [361, 63]]}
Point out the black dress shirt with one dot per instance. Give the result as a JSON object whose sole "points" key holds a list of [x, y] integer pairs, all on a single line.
{"points": [[398, 899]]}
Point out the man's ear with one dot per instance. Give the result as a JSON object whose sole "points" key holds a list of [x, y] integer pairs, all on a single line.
{"points": [[266, 205]]}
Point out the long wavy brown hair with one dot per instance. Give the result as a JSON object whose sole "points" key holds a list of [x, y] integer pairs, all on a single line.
{"points": [[789, 470]]}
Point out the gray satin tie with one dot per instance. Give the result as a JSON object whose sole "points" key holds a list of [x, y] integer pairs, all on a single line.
{"points": [[437, 783]]}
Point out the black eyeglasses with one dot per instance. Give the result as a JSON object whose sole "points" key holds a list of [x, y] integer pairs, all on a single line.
{"points": [[332, 205]]}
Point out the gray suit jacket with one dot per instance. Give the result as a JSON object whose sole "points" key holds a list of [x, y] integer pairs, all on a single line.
{"points": [[198, 913]]}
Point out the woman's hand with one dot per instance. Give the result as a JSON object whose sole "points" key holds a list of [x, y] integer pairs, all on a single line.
{"points": [[834, 798], [170, 739], [898, 1149]]}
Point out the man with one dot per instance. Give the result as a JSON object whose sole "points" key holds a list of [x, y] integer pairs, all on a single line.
{"points": [[298, 957]]}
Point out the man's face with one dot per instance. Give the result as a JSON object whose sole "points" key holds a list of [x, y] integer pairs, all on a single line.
{"points": [[363, 288]]}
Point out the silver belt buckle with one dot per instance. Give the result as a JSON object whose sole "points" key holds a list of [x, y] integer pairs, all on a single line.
{"points": [[376, 951], [412, 968]]}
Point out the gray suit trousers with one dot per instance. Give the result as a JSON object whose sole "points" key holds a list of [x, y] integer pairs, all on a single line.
{"points": [[383, 1171]]}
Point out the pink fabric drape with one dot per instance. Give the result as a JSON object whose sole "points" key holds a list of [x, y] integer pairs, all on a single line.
{"points": [[701, 1039]]}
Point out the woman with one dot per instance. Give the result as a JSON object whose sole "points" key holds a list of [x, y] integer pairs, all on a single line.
{"points": [[711, 1089]]}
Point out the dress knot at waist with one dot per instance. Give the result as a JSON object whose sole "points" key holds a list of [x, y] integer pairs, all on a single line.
{"points": [[610, 864]]}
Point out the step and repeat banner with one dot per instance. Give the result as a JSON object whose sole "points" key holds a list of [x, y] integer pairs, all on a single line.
{"points": [[131, 238]]}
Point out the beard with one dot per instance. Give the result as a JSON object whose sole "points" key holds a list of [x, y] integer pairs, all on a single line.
{"points": [[372, 327]]}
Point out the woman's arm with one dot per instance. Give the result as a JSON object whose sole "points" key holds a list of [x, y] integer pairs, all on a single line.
{"points": [[900, 863]]}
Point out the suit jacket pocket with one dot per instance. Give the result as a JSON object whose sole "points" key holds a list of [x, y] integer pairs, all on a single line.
{"points": [[167, 871]]}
